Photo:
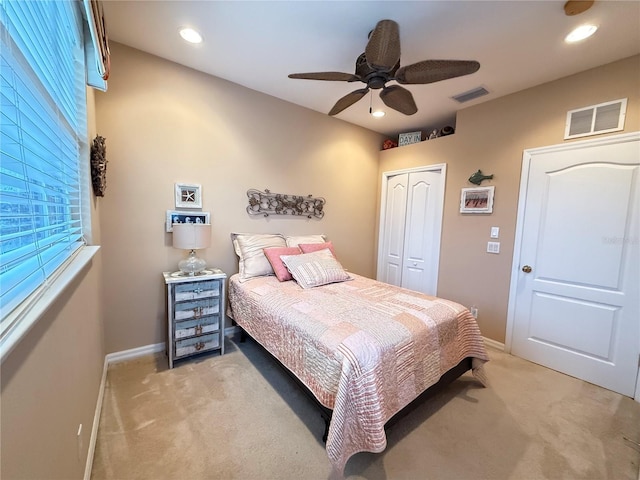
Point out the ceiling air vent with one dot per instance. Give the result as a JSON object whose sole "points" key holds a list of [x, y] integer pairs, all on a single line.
{"points": [[602, 118], [470, 95]]}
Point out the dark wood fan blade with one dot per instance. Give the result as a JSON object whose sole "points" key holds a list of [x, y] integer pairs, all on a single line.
{"points": [[399, 98], [329, 76], [429, 71], [383, 49], [348, 100]]}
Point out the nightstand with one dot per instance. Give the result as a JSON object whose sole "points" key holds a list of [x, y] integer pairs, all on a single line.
{"points": [[195, 313]]}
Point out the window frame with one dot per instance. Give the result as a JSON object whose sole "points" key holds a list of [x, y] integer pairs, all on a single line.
{"points": [[21, 319]]}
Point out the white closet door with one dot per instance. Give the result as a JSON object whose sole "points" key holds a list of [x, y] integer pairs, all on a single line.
{"points": [[422, 196], [394, 225], [410, 228]]}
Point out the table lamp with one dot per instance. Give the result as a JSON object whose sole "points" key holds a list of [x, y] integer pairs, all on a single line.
{"points": [[191, 236]]}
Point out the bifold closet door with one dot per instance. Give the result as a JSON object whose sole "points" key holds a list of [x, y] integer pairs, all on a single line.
{"points": [[419, 232], [411, 233], [393, 231]]}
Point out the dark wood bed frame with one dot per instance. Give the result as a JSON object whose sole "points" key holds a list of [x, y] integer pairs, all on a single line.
{"points": [[326, 413]]}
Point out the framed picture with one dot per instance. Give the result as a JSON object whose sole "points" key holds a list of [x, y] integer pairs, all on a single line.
{"points": [[174, 216], [188, 195], [477, 200]]}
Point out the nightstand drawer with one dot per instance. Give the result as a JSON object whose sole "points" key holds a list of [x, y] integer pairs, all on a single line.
{"points": [[197, 309], [193, 345], [190, 328], [196, 290]]}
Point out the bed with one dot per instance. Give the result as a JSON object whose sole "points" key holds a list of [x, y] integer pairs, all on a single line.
{"points": [[363, 348]]}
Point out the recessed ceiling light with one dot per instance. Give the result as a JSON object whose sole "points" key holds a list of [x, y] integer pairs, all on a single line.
{"points": [[580, 33], [190, 35], [377, 113]]}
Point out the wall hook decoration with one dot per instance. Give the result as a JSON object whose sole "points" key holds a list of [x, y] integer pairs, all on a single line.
{"points": [[477, 178], [99, 165], [267, 203]]}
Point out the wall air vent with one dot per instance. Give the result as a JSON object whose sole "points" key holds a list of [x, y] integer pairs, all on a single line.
{"points": [[602, 118], [470, 95]]}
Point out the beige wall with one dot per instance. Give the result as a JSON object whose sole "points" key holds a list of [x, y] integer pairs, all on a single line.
{"points": [[165, 123], [50, 381], [491, 137]]}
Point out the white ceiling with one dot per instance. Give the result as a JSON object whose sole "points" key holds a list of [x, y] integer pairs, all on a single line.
{"points": [[519, 44]]}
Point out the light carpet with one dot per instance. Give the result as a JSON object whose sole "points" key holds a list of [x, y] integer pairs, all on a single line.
{"points": [[239, 416]]}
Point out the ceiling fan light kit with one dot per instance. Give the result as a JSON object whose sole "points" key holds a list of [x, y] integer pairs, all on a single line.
{"points": [[380, 63], [580, 33], [190, 35]]}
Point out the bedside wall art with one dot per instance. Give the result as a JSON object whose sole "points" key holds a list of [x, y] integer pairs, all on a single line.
{"points": [[477, 200], [188, 195], [175, 216]]}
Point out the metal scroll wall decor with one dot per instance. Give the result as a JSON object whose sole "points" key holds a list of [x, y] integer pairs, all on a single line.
{"points": [[99, 165], [267, 203]]}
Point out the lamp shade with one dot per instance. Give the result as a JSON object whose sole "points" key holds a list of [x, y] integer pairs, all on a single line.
{"points": [[191, 236]]}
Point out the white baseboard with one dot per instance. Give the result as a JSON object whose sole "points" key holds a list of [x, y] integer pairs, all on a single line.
{"points": [[493, 343], [96, 422], [125, 355], [133, 353], [229, 331]]}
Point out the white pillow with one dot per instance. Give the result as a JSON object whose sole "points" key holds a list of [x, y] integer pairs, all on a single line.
{"points": [[315, 269], [294, 241], [249, 248]]}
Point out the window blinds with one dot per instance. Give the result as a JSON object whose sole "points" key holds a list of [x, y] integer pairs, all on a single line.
{"points": [[42, 132]]}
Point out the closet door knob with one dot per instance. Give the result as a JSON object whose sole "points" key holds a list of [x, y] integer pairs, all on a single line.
{"points": [[526, 269]]}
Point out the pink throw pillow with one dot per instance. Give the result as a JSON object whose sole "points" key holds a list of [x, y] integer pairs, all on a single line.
{"points": [[279, 268], [314, 247]]}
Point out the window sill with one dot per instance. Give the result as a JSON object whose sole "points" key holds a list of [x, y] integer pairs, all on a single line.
{"points": [[23, 318]]}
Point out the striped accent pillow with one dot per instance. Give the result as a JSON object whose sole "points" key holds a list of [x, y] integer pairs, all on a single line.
{"points": [[250, 250], [315, 269]]}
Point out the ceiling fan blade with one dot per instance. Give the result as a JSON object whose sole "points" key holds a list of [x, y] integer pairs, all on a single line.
{"points": [[429, 71], [383, 49], [348, 100], [399, 98], [329, 76]]}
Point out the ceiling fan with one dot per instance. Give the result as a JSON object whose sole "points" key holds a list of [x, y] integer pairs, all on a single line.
{"points": [[380, 63]]}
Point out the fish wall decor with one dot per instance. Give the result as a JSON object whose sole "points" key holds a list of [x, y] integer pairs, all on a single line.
{"points": [[477, 178]]}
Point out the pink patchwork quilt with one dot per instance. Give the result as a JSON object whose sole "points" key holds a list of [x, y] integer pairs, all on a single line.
{"points": [[364, 348]]}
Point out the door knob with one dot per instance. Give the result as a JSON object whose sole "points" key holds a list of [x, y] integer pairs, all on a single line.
{"points": [[526, 269]]}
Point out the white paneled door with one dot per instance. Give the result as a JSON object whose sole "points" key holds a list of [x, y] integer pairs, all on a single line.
{"points": [[410, 228], [575, 294]]}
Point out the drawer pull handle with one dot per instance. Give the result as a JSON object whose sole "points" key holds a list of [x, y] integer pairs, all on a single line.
{"points": [[197, 312], [199, 346], [199, 330], [198, 290]]}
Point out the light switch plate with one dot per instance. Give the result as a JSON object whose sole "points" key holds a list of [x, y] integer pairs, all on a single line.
{"points": [[493, 247], [495, 232]]}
